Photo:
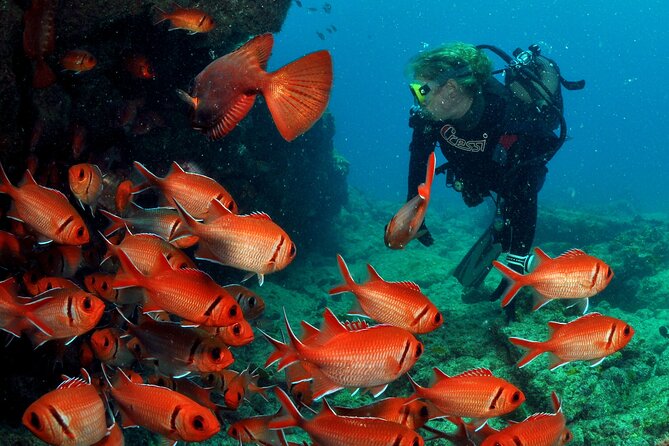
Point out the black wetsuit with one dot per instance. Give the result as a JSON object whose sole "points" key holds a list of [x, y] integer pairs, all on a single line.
{"points": [[494, 147]]}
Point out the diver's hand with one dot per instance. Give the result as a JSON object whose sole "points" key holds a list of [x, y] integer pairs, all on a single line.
{"points": [[426, 237]]}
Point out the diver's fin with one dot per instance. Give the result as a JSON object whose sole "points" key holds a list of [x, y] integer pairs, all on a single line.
{"points": [[477, 263]]}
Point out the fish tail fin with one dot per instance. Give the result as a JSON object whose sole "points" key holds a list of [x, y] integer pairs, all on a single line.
{"points": [[515, 278], [298, 93], [111, 249], [282, 352], [534, 349], [44, 75], [417, 390], [346, 274], [146, 173], [116, 223], [160, 16], [6, 186], [289, 416], [424, 188]]}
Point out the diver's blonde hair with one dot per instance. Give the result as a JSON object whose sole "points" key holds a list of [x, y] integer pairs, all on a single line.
{"points": [[438, 62]]}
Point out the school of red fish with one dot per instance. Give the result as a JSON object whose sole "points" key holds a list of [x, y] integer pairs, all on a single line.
{"points": [[144, 305]]}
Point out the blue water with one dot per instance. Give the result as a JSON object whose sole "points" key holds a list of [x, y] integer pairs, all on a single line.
{"points": [[617, 153]]}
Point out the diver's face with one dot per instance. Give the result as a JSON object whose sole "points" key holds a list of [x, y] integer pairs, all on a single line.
{"points": [[446, 101]]}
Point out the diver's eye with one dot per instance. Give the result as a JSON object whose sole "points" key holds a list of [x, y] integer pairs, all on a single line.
{"points": [[236, 330], [35, 422], [516, 397], [216, 353], [626, 330], [419, 350], [87, 303], [198, 423], [437, 318]]}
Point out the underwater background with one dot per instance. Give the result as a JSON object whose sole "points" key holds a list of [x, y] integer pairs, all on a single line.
{"points": [[335, 188]]}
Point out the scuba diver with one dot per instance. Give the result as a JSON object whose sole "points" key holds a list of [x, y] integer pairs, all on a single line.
{"points": [[497, 139]]}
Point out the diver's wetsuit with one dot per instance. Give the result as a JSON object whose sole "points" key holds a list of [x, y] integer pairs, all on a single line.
{"points": [[494, 147]]}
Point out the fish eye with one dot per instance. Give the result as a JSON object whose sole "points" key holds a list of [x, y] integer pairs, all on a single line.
{"points": [[216, 353], [233, 311], [87, 303], [415, 442], [252, 302], [106, 342], [239, 396], [292, 250], [567, 436], [35, 421], [626, 330], [236, 330], [437, 318], [516, 397], [81, 174], [423, 412], [80, 232], [419, 350], [609, 272], [183, 266], [233, 432], [198, 423], [104, 286]]}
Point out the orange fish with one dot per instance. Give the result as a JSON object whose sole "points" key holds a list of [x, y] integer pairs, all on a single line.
{"points": [[35, 285], [405, 225], [86, 184], [186, 387], [144, 250], [61, 260], [178, 350], [109, 346], [255, 430], [78, 61], [237, 387], [329, 429], [541, 429], [139, 67], [336, 357], [592, 338], [192, 20], [115, 437], [101, 284], [251, 242], [71, 415], [193, 191], [401, 304], [573, 275], [474, 394], [39, 39], [251, 304], [45, 210], [188, 293], [122, 198], [162, 411], [226, 89], [236, 335], [412, 414]]}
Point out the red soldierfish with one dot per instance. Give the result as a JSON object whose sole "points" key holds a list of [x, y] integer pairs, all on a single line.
{"points": [[251, 242], [86, 184], [412, 414], [592, 338], [255, 430], [225, 90], [71, 415], [39, 39], [474, 394], [401, 304], [251, 304], [145, 249], [193, 191], [188, 293], [337, 357], [109, 346], [572, 275], [541, 429], [78, 61], [403, 227], [191, 19], [163, 411], [329, 429], [45, 210]]}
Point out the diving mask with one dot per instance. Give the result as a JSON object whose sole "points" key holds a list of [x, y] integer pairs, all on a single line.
{"points": [[419, 92]]}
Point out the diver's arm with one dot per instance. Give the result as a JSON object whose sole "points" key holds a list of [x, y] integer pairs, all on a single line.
{"points": [[422, 144]]}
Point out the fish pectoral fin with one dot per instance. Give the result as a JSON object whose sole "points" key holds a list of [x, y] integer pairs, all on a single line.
{"points": [[539, 301], [479, 423], [377, 390], [321, 384], [556, 362], [393, 365]]}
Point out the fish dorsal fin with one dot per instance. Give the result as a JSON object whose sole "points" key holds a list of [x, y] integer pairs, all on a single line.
{"points": [[331, 327], [554, 326], [27, 179], [588, 316], [258, 216], [373, 275], [217, 210], [258, 49], [538, 416], [175, 168], [475, 372], [541, 255], [308, 331], [71, 383], [572, 253], [409, 285], [438, 375], [356, 325]]}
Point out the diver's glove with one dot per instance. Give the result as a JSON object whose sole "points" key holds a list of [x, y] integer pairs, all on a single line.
{"points": [[426, 238], [519, 264]]}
